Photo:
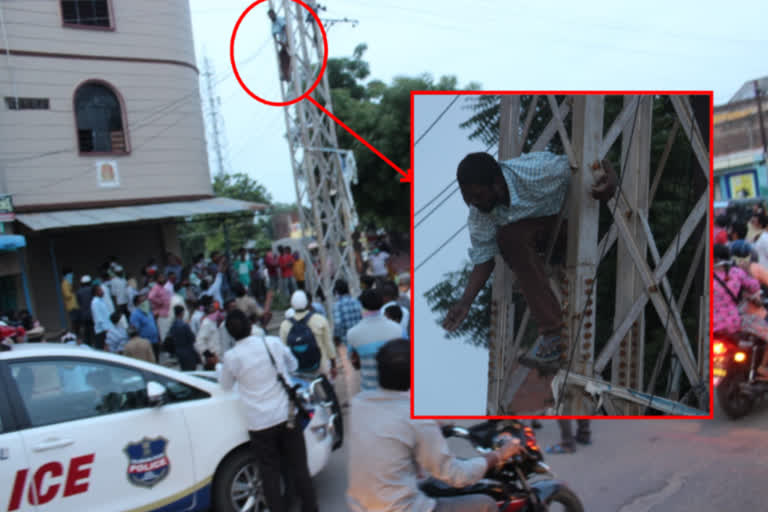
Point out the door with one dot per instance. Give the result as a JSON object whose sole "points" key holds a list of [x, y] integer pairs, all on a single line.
{"points": [[93, 439], [14, 468]]}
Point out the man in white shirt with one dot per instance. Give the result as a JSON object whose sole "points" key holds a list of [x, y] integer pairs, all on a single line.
{"points": [[761, 245], [378, 261], [390, 295], [279, 448], [386, 447]]}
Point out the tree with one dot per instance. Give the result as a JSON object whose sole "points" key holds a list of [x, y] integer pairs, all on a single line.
{"points": [[206, 233], [381, 114]]}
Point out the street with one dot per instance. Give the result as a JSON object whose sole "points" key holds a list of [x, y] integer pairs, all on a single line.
{"points": [[641, 466]]}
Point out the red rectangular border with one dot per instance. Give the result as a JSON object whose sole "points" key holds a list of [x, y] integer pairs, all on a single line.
{"points": [[711, 199]]}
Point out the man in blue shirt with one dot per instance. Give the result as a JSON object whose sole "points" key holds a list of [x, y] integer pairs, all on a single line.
{"points": [[143, 321], [513, 207]]}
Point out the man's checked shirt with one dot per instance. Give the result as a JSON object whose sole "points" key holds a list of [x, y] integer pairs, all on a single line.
{"points": [[347, 313], [537, 182]]}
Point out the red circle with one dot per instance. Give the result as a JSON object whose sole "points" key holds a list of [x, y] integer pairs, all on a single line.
{"points": [[237, 74]]}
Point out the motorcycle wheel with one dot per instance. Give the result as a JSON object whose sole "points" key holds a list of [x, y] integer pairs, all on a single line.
{"points": [[567, 499], [733, 401]]}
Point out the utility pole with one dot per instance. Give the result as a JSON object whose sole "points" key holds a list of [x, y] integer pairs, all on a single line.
{"points": [[315, 157], [759, 101], [213, 107]]}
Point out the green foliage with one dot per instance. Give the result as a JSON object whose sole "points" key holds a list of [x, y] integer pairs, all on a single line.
{"points": [[680, 186], [206, 233], [446, 293], [381, 114]]}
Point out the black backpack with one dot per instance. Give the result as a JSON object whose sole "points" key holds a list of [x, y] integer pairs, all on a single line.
{"points": [[301, 340]]}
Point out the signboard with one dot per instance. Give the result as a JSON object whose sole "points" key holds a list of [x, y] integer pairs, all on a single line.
{"points": [[6, 208], [107, 175], [743, 185]]}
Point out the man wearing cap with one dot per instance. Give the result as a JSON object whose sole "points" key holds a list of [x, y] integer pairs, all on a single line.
{"points": [[319, 327], [84, 297]]}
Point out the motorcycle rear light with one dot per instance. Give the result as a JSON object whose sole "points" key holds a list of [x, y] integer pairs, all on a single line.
{"points": [[739, 357], [719, 348]]}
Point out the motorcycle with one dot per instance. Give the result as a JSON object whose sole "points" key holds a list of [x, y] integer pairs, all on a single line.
{"points": [[735, 363], [523, 484]]}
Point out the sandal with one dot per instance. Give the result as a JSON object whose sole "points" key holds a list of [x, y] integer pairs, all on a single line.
{"points": [[560, 449], [546, 351]]}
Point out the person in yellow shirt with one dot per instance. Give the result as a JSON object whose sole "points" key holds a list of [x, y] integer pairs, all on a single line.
{"points": [[70, 300], [298, 270], [319, 327]]}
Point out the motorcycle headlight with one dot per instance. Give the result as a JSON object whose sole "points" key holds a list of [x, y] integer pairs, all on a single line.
{"points": [[739, 357]]}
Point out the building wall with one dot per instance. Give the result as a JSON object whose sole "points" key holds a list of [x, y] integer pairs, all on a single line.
{"points": [[737, 127], [85, 251], [162, 112]]}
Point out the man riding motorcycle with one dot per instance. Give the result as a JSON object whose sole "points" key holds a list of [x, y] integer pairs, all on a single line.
{"points": [[387, 447]]}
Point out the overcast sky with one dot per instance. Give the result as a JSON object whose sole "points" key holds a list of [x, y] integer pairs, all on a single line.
{"points": [[501, 44], [510, 45]]}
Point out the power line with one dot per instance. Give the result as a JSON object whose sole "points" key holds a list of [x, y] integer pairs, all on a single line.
{"points": [[433, 210], [434, 198], [437, 119], [462, 228]]}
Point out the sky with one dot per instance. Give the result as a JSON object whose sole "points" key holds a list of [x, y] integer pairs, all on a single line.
{"points": [[500, 44], [509, 45]]}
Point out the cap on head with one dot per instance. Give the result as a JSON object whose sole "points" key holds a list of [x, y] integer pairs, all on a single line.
{"points": [[299, 300], [86, 279]]}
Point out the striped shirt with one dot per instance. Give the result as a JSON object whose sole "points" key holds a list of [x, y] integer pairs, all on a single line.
{"points": [[366, 338], [537, 183]]}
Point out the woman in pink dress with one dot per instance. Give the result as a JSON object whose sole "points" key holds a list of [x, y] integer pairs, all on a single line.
{"points": [[727, 320]]}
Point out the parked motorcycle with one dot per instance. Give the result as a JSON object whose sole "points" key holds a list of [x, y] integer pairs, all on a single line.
{"points": [[735, 363], [523, 484]]}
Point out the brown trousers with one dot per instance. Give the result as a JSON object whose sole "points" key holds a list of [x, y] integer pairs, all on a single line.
{"points": [[518, 243]]}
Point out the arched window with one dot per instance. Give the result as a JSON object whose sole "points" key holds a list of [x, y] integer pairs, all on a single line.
{"points": [[89, 13], [99, 120]]}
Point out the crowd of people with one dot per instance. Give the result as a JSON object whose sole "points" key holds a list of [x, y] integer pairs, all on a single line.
{"points": [[740, 280]]}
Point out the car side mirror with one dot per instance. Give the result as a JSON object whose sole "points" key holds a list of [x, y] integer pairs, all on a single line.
{"points": [[156, 393]]}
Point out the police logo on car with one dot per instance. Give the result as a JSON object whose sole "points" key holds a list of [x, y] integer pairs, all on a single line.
{"points": [[148, 464]]}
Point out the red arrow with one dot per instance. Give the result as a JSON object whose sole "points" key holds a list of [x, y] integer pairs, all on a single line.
{"points": [[407, 176]]}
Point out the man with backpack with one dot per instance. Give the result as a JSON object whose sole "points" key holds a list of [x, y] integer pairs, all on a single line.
{"points": [[308, 335]]}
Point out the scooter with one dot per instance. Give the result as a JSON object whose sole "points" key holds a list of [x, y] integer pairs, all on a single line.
{"points": [[735, 363], [523, 484]]}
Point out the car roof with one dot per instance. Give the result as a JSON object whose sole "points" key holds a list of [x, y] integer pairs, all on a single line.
{"points": [[30, 350]]}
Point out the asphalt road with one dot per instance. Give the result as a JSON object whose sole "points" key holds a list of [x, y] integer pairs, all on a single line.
{"points": [[642, 466]]}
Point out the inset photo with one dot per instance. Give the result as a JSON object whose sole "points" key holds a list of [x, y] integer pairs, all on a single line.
{"points": [[561, 254]]}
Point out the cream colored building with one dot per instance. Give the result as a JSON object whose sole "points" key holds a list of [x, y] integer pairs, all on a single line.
{"points": [[102, 141]]}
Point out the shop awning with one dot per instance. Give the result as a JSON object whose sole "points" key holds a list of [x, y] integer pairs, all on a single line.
{"points": [[12, 242], [128, 214]]}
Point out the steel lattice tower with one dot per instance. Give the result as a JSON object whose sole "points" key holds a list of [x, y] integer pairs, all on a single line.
{"points": [[321, 172]]}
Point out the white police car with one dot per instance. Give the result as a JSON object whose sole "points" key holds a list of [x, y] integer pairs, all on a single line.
{"points": [[86, 430]]}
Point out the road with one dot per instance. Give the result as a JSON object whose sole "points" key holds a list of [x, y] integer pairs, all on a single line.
{"points": [[642, 466]]}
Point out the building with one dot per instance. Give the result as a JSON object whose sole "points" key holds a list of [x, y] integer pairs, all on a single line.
{"points": [[102, 140], [739, 146]]}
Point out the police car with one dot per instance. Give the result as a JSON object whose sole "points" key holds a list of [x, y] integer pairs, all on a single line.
{"points": [[87, 430]]}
